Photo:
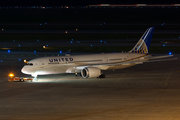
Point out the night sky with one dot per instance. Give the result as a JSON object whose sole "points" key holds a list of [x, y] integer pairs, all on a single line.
{"points": [[80, 2]]}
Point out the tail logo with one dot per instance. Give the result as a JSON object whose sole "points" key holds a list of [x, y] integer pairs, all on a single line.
{"points": [[144, 43], [140, 47]]}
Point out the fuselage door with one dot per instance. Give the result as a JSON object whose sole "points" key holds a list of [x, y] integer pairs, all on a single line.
{"points": [[105, 59]]}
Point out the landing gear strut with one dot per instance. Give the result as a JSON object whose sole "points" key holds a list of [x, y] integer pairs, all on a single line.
{"points": [[35, 77], [102, 76], [78, 74]]}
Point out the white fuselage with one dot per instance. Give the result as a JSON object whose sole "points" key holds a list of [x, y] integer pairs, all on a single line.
{"points": [[75, 63]]}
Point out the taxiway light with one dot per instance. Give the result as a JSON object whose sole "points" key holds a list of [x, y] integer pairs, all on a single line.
{"points": [[2, 29], [76, 29], [170, 53], [9, 51], [65, 31], [44, 46]]}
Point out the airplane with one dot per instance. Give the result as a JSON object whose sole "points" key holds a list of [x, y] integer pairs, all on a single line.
{"points": [[91, 66]]}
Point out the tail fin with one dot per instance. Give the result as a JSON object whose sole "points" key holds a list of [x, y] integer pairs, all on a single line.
{"points": [[144, 42]]}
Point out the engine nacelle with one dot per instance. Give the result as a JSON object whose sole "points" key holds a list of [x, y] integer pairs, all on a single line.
{"points": [[90, 72]]}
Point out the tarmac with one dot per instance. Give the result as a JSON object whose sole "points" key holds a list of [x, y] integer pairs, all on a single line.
{"points": [[149, 91]]}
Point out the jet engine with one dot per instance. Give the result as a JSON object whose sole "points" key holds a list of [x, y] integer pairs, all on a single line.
{"points": [[90, 72]]}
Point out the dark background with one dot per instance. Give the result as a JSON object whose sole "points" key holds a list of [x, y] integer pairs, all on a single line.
{"points": [[25, 21], [81, 2]]}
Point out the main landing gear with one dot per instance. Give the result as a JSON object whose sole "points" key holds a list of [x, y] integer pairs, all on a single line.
{"points": [[102, 76]]}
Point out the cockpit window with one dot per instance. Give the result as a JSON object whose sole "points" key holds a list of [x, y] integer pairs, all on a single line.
{"points": [[30, 64]]}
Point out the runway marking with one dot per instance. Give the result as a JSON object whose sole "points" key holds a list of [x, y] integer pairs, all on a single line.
{"points": [[168, 77], [120, 78], [148, 83]]}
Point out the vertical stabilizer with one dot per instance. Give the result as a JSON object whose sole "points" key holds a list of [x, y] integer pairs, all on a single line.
{"points": [[144, 42]]}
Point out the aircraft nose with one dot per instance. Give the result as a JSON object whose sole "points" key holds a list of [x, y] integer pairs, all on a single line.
{"points": [[23, 70]]}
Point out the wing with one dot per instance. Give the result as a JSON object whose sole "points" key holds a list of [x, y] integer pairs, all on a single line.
{"points": [[120, 65]]}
